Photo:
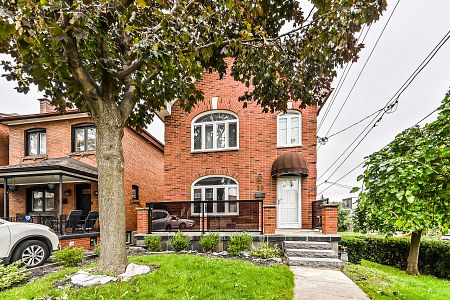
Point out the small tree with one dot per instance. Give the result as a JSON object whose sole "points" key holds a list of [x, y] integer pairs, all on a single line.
{"points": [[406, 184], [122, 60]]}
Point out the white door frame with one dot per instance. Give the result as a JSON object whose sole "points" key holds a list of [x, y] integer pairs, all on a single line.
{"points": [[297, 225]]}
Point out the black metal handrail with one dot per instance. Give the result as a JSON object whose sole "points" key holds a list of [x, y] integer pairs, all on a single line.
{"points": [[204, 216]]}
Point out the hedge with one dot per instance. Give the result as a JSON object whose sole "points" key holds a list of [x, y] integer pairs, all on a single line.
{"points": [[434, 255]]}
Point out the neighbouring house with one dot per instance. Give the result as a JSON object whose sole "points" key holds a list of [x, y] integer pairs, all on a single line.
{"points": [[233, 168], [49, 171]]}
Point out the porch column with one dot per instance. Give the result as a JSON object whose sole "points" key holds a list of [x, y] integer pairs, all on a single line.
{"points": [[329, 218], [5, 199], [60, 204]]}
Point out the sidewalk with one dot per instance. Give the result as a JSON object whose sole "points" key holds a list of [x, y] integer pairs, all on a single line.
{"points": [[318, 284]]}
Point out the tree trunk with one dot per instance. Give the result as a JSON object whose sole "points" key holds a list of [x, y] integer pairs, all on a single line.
{"points": [[110, 163], [413, 257]]}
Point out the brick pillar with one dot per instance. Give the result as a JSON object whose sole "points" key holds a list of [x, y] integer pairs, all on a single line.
{"points": [[142, 219], [329, 218]]}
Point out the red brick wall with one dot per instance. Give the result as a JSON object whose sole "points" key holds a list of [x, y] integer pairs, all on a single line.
{"points": [[4, 155], [251, 164], [330, 219], [143, 165], [81, 242]]}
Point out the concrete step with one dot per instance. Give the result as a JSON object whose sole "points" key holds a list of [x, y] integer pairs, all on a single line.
{"points": [[310, 253], [330, 263], [306, 245]]}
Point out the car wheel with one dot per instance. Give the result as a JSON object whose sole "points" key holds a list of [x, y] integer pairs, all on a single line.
{"points": [[169, 227], [182, 226], [33, 253]]}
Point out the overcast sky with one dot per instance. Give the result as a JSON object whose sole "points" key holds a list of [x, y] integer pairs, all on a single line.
{"points": [[414, 29]]}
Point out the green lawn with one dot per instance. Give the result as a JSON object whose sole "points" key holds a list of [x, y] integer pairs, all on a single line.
{"points": [[181, 277], [385, 282]]}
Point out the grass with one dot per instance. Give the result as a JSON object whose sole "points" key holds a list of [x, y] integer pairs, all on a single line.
{"points": [[183, 277], [385, 282]]}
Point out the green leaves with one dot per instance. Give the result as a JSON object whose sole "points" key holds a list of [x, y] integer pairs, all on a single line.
{"points": [[407, 182]]}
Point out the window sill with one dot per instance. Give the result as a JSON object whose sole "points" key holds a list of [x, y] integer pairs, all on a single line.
{"points": [[214, 150], [289, 146], [82, 153], [35, 157]]}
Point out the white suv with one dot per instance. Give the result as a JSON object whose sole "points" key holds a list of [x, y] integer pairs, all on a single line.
{"points": [[32, 243]]}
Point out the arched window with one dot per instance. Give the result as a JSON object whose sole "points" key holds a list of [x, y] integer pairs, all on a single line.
{"points": [[215, 131], [289, 129], [214, 193]]}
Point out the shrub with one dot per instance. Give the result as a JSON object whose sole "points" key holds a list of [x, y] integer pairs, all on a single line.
{"points": [[153, 243], [434, 255], [69, 257], [239, 243], [179, 241], [12, 274], [209, 242], [265, 251], [97, 250]]}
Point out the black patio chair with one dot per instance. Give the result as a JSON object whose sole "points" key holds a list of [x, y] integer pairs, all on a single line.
{"points": [[89, 223], [72, 220]]}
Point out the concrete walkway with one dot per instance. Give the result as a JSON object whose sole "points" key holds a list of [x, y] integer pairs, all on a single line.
{"points": [[318, 284]]}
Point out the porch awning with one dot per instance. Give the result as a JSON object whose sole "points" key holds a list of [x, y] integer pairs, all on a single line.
{"points": [[48, 171], [290, 163]]}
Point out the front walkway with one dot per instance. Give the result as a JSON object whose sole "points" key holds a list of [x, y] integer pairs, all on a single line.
{"points": [[318, 284]]}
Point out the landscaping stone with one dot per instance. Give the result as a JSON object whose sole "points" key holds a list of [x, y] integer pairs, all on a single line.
{"points": [[133, 270], [84, 278]]}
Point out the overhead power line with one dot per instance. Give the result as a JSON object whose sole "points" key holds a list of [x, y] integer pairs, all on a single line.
{"points": [[390, 105], [360, 164], [362, 69]]}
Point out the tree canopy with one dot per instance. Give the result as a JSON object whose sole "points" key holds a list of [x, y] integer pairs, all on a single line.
{"points": [[144, 53], [406, 185]]}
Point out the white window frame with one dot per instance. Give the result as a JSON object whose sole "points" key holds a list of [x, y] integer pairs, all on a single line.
{"points": [[288, 116], [215, 123], [214, 187]]}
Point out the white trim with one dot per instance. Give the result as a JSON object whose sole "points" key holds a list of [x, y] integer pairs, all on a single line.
{"points": [[38, 119], [288, 116], [214, 101], [214, 187], [226, 122], [297, 225]]}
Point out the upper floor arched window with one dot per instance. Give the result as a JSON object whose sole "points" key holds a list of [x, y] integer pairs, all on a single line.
{"points": [[215, 131], [289, 129]]}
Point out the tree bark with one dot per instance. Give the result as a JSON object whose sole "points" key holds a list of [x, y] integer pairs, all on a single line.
{"points": [[413, 257], [110, 164]]}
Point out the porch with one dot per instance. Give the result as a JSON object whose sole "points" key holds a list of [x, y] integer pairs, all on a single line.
{"points": [[59, 193]]}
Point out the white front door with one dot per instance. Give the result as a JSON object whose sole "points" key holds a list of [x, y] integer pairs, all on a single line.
{"points": [[288, 200]]}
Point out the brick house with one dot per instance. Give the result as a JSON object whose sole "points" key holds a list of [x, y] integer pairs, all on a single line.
{"points": [[221, 151], [40, 151]]}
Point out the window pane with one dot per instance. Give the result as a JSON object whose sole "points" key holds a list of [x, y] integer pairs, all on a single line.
{"points": [[37, 201], [43, 145], [33, 143], [49, 201], [209, 196], [220, 135], [295, 130], [215, 181], [197, 197], [91, 134], [79, 139], [215, 117], [282, 131], [197, 137], [232, 134], [209, 136], [232, 195], [220, 197]]}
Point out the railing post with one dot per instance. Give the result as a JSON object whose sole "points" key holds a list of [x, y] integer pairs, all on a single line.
{"points": [[150, 220], [203, 217], [259, 196]]}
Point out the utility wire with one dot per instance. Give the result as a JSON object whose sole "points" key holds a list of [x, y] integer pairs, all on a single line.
{"points": [[352, 170], [363, 68], [341, 81], [392, 103]]}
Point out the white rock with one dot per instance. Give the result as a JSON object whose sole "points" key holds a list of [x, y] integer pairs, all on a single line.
{"points": [[84, 278], [133, 270]]}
